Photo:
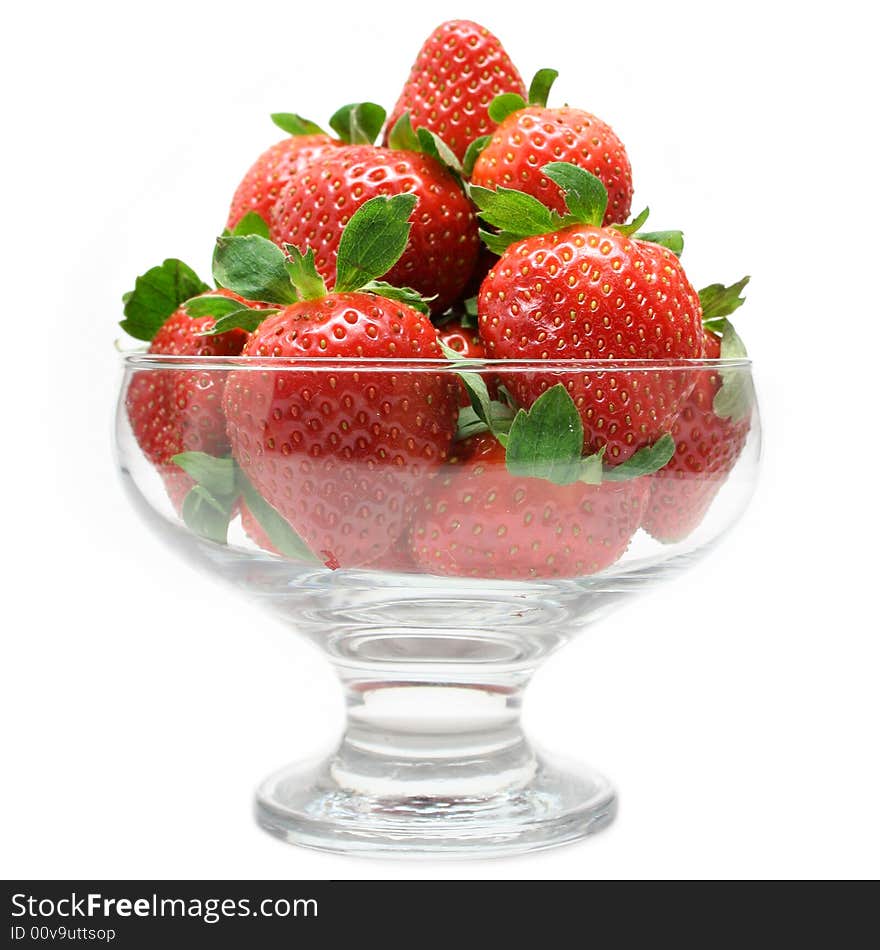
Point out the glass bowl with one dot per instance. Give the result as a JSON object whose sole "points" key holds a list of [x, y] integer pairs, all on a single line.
{"points": [[336, 494]]}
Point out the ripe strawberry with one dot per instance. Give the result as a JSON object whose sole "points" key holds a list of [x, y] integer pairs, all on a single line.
{"points": [[443, 243], [273, 171], [478, 520], [177, 411], [460, 69], [707, 444], [181, 411], [589, 293], [339, 454], [529, 137]]}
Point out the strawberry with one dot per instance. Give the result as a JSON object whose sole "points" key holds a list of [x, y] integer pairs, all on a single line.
{"points": [[710, 432], [313, 210], [566, 288], [339, 456], [530, 136], [277, 167], [460, 69], [179, 411], [478, 520]]}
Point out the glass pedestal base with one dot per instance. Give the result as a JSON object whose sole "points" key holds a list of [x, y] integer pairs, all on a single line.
{"points": [[316, 806]]}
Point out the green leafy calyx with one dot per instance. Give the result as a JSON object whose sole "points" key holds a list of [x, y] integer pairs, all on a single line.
{"points": [[504, 105], [370, 246], [253, 267], [539, 89], [228, 314], [423, 140], [209, 505], [472, 153], [373, 240], [358, 123], [295, 124], [251, 223], [156, 295], [671, 240], [517, 215], [304, 274], [719, 301], [735, 396]]}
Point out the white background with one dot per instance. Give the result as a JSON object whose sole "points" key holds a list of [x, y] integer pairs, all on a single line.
{"points": [[736, 710]]}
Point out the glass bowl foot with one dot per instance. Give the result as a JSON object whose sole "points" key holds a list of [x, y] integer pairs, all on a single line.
{"points": [[322, 806]]}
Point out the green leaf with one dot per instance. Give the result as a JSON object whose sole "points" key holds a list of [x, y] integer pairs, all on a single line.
{"points": [[358, 123], [373, 240], [514, 212], [671, 240], [251, 223], [473, 153], [295, 124], [539, 90], [206, 515], [591, 471], [215, 474], [470, 423], [470, 319], [403, 136], [156, 295], [500, 242], [244, 318], [719, 301], [504, 105], [629, 229], [585, 195], [547, 440], [736, 394], [645, 461], [423, 140], [431, 144], [277, 528], [404, 294], [254, 268], [304, 275], [207, 508], [212, 305], [495, 416], [473, 383]]}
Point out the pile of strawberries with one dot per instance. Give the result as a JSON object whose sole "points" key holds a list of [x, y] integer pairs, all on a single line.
{"points": [[487, 226]]}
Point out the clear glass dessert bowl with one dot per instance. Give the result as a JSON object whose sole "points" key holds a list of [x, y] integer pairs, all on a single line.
{"points": [[435, 569]]}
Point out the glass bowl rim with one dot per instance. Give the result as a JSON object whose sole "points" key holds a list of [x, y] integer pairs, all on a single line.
{"points": [[142, 360]]}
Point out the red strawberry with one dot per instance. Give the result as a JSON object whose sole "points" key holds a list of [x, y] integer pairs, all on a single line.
{"points": [[272, 172], [341, 453], [460, 69], [707, 447], [181, 411], [528, 138], [592, 293], [443, 243], [478, 520]]}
